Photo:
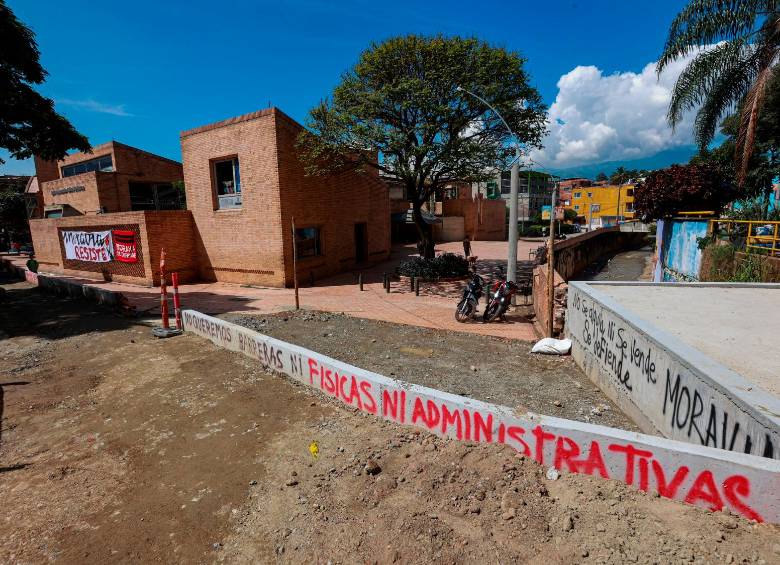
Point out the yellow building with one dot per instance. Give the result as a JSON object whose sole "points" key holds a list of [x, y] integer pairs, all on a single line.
{"points": [[602, 206]]}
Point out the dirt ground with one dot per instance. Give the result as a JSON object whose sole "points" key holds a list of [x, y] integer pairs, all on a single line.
{"points": [[120, 447], [482, 367]]}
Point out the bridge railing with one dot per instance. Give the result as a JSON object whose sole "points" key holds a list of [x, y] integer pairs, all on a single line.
{"points": [[754, 235]]}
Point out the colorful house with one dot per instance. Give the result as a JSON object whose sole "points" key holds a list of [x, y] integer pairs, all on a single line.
{"points": [[601, 206]]}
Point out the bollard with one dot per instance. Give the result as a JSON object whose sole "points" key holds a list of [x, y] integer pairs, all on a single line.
{"points": [[416, 286], [360, 281], [385, 280], [387, 286], [176, 302], [411, 283], [163, 292]]}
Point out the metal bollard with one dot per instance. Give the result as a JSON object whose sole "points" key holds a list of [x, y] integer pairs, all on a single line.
{"points": [[411, 283], [360, 281], [387, 286], [384, 280], [163, 292], [416, 286]]}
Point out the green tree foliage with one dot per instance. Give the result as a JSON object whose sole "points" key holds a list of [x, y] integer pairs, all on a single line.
{"points": [[623, 175], [736, 71], [682, 188], [764, 163], [399, 110], [13, 211], [602, 176], [28, 123]]}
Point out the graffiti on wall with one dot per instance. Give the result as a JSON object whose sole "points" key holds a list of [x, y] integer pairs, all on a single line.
{"points": [[679, 403], [681, 254], [641, 461]]}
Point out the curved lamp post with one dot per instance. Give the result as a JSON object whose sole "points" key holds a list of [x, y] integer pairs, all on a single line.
{"points": [[511, 264]]}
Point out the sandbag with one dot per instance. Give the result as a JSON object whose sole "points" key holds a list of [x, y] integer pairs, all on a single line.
{"points": [[552, 346]]}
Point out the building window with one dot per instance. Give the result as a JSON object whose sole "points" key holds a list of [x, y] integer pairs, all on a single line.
{"points": [[307, 241], [630, 192], [576, 206], [104, 164], [629, 206], [227, 179], [590, 195], [595, 208], [149, 196], [577, 195]]}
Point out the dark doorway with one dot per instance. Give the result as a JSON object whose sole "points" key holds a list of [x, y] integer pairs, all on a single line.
{"points": [[361, 243]]}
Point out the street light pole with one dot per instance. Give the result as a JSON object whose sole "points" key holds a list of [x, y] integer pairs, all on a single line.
{"points": [[511, 264]]}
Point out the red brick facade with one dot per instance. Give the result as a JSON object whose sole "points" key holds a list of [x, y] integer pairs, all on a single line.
{"points": [[250, 243], [253, 244], [93, 192]]}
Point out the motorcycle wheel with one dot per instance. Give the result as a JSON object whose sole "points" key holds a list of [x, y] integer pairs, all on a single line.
{"points": [[492, 311], [463, 311]]}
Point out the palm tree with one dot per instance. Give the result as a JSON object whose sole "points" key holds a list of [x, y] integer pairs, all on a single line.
{"points": [[739, 49]]}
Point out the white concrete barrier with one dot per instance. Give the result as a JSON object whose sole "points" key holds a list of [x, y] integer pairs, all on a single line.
{"points": [[707, 477], [666, 386]]}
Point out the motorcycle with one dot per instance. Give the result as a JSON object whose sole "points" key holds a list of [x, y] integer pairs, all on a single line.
{"points": [[467, 306], [499, 300]]}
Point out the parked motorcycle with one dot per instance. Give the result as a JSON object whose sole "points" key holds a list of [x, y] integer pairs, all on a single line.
{"points": [[499, 300], [467, 306]]}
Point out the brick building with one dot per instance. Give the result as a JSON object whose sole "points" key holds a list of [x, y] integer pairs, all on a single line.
{"points": [[245, 183], [113, 178], [109, 214]]}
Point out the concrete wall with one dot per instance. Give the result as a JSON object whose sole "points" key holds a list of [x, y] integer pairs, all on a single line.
{"points": [[680, 257], [571, 257], [666, 386], [706, 477]]}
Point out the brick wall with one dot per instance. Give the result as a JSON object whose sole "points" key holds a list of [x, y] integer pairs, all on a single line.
{"points": [[253, 244], [484, 220], [241, 245], [334, 204], [172, 229], [109, 190]]}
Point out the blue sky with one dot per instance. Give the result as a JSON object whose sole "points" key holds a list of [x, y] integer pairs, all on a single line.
{"points": [[140, 72]]}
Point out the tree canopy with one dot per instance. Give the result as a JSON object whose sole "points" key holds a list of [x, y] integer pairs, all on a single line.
{"points": [[737, 46], [28, 123], [682, 188], [399, 110]]}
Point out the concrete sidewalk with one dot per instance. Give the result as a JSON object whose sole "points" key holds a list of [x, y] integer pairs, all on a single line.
{"points": [[434, 308]]}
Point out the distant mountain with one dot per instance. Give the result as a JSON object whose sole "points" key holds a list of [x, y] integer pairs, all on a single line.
{"points": [[679, 155]]}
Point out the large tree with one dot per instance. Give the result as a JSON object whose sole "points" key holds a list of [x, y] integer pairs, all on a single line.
{"points": [[28, 123], [741, 42], [764, 162], [399, 110]]}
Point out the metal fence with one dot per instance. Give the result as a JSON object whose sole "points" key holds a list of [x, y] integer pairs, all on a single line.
{"points": [[754, 235]]}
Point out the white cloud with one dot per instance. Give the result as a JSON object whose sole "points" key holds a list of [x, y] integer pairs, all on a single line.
{"points": [[95, 106], [598, 117]]}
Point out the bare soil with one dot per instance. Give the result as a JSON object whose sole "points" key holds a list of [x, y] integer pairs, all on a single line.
{"points": [[121, 447], [487, 368]]}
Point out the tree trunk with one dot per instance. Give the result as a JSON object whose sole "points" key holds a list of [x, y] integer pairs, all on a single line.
{"points": [[424, 232]]}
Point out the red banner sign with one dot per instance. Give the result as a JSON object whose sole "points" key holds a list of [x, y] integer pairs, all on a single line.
{"points": [[125, 247]]}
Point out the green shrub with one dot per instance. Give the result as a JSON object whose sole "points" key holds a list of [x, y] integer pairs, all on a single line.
{"points": [[443, 266]]}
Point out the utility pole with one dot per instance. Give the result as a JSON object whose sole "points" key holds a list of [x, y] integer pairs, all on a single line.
{"points": [[551, 263]]}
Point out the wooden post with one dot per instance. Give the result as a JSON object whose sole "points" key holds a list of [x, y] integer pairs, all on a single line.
{"points": [[360, 281], [163, 292], [295, 266], [551, 265], [416, 286], [411, 282]]}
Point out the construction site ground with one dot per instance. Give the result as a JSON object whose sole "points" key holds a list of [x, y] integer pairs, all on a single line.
{"points": [[117, 447]]}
